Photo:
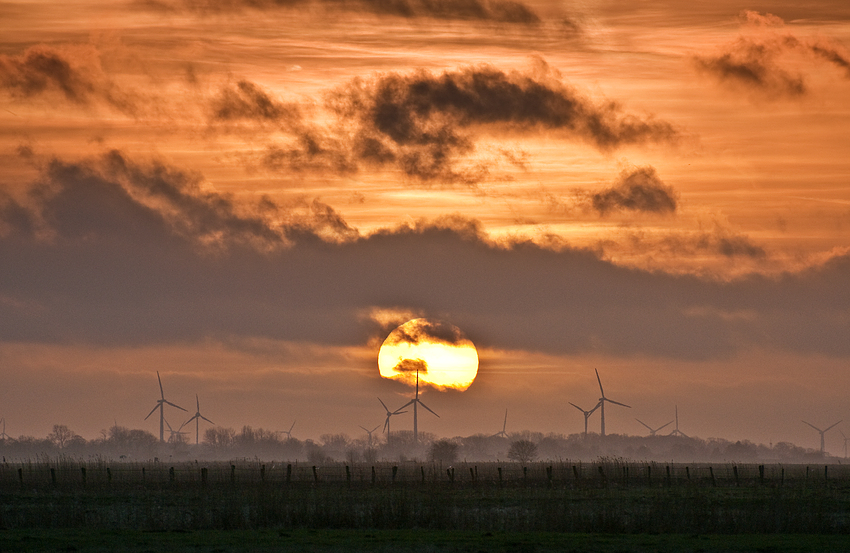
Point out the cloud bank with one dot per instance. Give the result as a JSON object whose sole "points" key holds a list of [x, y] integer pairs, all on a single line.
{"points": [[112, 251]]}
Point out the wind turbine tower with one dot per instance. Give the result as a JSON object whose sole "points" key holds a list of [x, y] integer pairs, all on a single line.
{"points": [[822, 432], [677, 432], [4, 436], [587, 414], [602, 401], [197, 418], [502, 433], [416, 402], [160, 404]]}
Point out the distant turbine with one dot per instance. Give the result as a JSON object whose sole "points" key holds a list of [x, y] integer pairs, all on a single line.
{"points": [[3, 435], [586, 414], [289, 432], [370, 432], [171, 437], [845, 443], [160, 404], [502, 434], [416, 401], [602, 401], [651, 430], [822, 432], [677, 432], [389, 414], [197, 418]]}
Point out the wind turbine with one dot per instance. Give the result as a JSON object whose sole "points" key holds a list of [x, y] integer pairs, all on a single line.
{"points": [[160, 404], [586, 414], [197, 418], [822, 432], [502, 433], [602, 401], [370, 432], [677, 432], [177, 433], [289, 432], [415, 402], [389, 414], [3, 435], [845, 443], [651, 430]]}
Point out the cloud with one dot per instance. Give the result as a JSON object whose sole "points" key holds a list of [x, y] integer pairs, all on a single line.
{"points": [[639, 189], [763, 60], [132, 253], [427, 330], [247, 101], [74, 74], [411, 366], [427, 125], [753, 65], [501, 11]]}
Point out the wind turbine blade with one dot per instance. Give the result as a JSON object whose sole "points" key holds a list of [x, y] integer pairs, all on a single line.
{"points": [[617, 402], [646, 425], [377, 427], [839, 422], [813, 426], [364, 428], [206, 419], [387, 422], [397, 413], [505, 425], [576, 406], [198, 402], [171, 404], [152, 411], [293, 426], [597, 406], [385, 405], [161, 393], [660, 427], [168, 425], [405, 405], [600, 383], [426, 407]]}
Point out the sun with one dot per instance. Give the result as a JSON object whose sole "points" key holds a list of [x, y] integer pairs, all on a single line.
{"points": [[441, 354]]}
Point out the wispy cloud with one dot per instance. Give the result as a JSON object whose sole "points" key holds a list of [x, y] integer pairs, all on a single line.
{"points": [[74, 74], [762, 60], [501, 11], [639, 189]]}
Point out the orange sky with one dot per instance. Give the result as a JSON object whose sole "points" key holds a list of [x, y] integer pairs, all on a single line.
{"points": [[230, 191]]}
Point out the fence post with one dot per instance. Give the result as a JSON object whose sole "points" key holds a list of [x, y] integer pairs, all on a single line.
{"points": [[83, 474], [735, 472], [374, 476], [263, 473], [500, 475], [53, 476], [761, 474], [288, 473], [315, 474], [422, 470], [109, 474], [713, 481], [171, 474], [668, 476], [204, 476]]}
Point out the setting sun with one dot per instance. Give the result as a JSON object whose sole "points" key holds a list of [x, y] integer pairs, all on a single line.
{"points": [[439, 352]]}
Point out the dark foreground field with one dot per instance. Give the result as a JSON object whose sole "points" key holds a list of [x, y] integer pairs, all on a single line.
{"points": [[242, 506]]}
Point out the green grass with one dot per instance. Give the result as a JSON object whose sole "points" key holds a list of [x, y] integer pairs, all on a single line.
{"points": [[394, 541]]}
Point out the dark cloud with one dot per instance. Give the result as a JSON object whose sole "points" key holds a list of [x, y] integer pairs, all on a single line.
{"points": [[501, 11], [426, 126], [753, 65], [639, 189], [411, 366], [76, 76], [758, 61], [832, 53], [427, 330], [108, 264], [245, 101]]}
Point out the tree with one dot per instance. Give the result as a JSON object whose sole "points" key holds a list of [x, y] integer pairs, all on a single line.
{"points": [[444, 451], [62, 436], [522, 451]]}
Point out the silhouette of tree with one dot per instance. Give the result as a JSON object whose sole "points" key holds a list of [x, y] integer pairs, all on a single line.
{"points": [[523, 451], [62, 436], [444, 451]]}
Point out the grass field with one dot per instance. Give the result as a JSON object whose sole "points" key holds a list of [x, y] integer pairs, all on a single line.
{"points": [[605, 506]]}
